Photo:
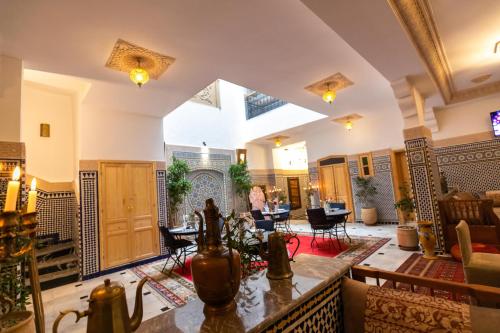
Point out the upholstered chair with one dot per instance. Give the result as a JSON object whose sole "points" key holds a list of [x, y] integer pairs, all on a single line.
{"points": [[479, 268]]}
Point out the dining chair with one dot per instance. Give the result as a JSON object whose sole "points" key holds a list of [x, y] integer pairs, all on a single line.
{"points": [[257, 214], [177, 249], [320, 224], [267, 225], [479, 268], [338, 205]]}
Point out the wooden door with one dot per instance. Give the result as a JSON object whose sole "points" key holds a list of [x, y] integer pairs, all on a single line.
{"points": [[142, 208], [294, 192], [342, 188], [327, 182], [401, 178], [128, 213], [115, 231]]}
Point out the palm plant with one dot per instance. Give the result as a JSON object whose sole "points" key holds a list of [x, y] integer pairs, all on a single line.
{"points": [[241, 179], [365, 190]]}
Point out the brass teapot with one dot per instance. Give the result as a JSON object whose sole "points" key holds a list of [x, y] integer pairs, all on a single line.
{"points": [[108, 312], [215, 268], [277, 256]]}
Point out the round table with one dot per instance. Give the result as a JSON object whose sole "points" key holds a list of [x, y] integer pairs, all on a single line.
{"points": [[339, 215], [182, 231], [276, 214]]}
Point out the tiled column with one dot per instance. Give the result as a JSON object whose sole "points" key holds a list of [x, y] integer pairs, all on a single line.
{"points": [[424, 175]]}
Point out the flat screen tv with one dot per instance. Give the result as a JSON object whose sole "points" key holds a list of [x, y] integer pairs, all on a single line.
{"points": [[495, 122]]}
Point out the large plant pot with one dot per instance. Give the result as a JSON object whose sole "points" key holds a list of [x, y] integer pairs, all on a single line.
{"points": [[407, 238], [18, 322], [427, 239], [369, 216]]}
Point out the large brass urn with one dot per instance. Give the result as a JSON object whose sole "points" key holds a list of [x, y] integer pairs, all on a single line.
{"points": [[215, 268]]}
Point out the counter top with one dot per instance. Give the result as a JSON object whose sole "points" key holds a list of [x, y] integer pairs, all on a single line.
{"points": [[260, 301]]}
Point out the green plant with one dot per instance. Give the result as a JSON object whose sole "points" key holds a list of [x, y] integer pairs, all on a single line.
{"points": [[177, 186], [365, 190], [244, 241], [241, 179], [406, 204], [12, 287]]}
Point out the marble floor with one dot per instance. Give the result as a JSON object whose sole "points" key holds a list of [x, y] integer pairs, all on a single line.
{"points": [[76, 295]]}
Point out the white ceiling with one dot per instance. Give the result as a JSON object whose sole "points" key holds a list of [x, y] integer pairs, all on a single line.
{"points": [[468, 31], [277, 47]]}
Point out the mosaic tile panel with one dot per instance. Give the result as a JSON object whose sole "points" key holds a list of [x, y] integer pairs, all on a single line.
{"points": [[7, 166], [472, 167], [89, 223], [322, 313], [206, 184], [161, 190], [57, 212], [213, 162], [423, 169], [384, 199]]}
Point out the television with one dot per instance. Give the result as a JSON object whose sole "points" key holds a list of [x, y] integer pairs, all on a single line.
{"points": [[495, 122]]}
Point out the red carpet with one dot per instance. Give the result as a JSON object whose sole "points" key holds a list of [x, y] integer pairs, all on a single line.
{"points": [[355, 252], [446, 269]]}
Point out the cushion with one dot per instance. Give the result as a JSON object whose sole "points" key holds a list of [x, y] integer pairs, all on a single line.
{"points": [[476, 247], [484, 320], [353, 300], [393, 310]]}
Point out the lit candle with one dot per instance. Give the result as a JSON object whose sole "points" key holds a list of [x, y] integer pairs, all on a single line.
{"points": [[12, 191], [32, 197]]}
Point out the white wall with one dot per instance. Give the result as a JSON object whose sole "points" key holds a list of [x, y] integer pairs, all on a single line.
{"points": [[192, 123], [466, 118], [53, 158], [259, 157], [108, 135], [290, 157], [10, 98]]}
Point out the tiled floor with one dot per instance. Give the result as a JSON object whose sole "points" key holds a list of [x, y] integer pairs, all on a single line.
{"points": [[75, 296]]}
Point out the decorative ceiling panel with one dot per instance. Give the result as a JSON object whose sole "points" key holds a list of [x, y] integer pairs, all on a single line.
{"points": [[124, 58], [336, 82]]}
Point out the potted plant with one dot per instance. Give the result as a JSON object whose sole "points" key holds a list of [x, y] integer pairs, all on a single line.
{"points": [[407, 234], [13, 296], [365, 192], [177, 187], [242, 181]]}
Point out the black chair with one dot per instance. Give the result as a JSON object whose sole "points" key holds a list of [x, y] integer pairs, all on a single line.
{"points": [[340, 221], [320, 224], [282, 221], [257, 214], [267, 225], [173, 245]]}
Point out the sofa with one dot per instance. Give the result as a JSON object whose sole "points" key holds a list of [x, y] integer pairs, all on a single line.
{"points": [[371, 308], [483, 223]]}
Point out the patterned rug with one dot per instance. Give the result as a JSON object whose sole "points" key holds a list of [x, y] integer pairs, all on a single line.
{"points": [[442, 268]]}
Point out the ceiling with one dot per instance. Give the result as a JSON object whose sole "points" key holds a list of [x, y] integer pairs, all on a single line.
{"points": [[468, 37], [276, 47]]}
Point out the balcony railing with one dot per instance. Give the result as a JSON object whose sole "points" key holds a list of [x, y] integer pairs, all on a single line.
{"points": [[257, 103]]}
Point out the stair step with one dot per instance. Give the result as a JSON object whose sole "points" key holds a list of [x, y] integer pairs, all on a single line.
{"points": [[58, 261], [54, 248], [59, 274]]}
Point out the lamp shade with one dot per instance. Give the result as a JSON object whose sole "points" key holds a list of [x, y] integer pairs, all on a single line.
{"points": [[329, 96], [139, 76]]}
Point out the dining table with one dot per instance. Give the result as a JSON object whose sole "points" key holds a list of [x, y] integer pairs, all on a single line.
{"points": [[339, 216], [276, 214]]}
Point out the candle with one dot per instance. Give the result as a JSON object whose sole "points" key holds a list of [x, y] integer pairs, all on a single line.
{"points": [[32, 197], [12, 191]]}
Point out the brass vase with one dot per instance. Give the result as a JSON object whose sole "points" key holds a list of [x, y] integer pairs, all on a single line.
{"points": [[427, 239], [215, 268]]}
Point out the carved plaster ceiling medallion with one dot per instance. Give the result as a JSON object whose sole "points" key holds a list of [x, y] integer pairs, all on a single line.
{"points": [[416, 18], [334, 82], [349, 117], [209, 95], [278, 139], [125, 56], [481, 78]]}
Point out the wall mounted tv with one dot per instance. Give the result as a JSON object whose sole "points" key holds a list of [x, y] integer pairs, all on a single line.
{"points": [[495, 122]]}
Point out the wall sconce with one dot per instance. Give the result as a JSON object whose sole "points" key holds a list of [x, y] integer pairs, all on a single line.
{"points": [[241, 156], [45, 130]]}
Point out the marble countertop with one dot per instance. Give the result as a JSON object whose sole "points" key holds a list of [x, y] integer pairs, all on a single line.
{"points": [[260, 301]]}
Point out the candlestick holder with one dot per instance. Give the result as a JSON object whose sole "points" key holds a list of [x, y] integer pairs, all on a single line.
{"points": [[17, 239]]}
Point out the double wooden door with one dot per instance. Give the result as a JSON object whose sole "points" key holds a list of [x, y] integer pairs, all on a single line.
{"points": [[335, 185], [128, 213]]}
